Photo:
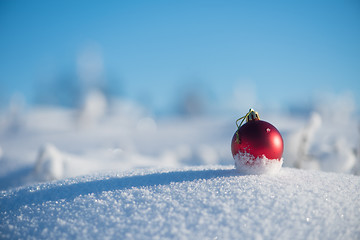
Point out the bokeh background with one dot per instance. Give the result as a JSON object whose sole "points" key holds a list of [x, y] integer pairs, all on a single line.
{"points": [[90, 86], [180, 57]]}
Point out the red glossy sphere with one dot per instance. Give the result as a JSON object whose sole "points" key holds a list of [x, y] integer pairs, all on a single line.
{"points": [[258, 138]]}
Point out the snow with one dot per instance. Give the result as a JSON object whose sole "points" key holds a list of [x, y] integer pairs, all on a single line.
{"points": [[195, 202], [245, 163], [125, 136], [111, 169]]}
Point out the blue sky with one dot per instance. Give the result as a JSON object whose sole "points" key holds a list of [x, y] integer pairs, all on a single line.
{"points": [[282, 52]]}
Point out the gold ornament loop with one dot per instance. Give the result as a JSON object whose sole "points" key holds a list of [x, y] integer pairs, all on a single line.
{"points": [[250, 116]]}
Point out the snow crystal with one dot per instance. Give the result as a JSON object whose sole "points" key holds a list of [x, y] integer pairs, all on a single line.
{"points": [[245, 163], [186, 203]]}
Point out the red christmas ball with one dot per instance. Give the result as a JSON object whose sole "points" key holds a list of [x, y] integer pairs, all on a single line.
{"points": [[258, 138]]}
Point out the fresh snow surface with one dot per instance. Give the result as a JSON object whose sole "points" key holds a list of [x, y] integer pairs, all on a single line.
{"points": [[187, 203], [55, 181]]}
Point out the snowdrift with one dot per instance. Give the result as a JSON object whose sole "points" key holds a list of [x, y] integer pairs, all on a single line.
{"points": [[186, 203]]}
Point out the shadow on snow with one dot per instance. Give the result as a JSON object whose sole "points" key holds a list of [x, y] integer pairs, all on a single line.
{"points": [[69, 192]]}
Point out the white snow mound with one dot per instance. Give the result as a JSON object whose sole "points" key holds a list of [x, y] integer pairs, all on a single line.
{"points": [[188, 203], [245, 163]]}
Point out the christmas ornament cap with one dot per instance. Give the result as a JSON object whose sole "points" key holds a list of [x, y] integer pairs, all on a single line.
{"points": [[252, 115]]}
